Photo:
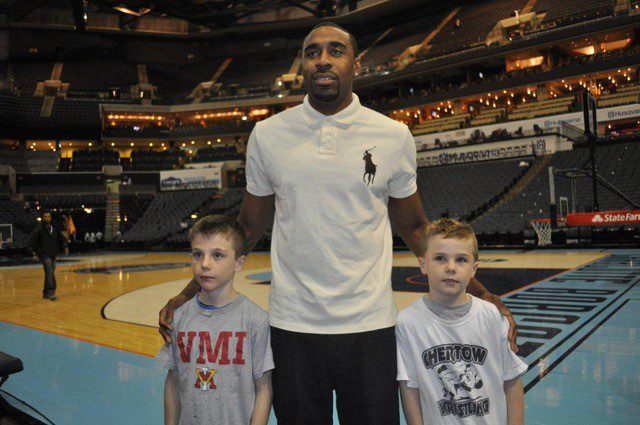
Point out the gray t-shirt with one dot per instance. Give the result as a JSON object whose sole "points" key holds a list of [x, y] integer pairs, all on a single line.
{"points": [[218, 354]]}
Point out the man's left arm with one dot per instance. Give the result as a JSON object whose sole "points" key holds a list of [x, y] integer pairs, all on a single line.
{"points": [[409, 220]]}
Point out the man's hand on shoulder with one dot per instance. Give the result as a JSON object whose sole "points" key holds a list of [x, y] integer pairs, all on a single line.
{"points": [[513, 329], [165, 317]]}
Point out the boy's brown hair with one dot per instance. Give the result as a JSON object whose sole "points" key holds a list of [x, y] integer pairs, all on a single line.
{"points": [[220, 224], [449, 229]]}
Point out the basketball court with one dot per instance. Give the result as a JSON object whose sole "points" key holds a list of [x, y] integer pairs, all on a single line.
{"points": [[563, 214], [89, 355]]}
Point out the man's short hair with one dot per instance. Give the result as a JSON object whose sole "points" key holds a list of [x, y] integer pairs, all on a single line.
{"points": [[212, 225], [352, 39], [449, 228]]}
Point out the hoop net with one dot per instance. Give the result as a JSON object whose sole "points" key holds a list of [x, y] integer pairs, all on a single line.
{"points": [[542, 227]]}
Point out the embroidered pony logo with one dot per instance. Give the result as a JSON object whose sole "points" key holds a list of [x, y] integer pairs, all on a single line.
{"points": [[369, 167]]}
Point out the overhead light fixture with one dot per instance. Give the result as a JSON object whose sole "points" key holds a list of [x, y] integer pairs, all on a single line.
{"points": [[143, 11]]}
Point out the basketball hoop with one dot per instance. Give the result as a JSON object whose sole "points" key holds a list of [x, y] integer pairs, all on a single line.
{"points": [[542, 227]]}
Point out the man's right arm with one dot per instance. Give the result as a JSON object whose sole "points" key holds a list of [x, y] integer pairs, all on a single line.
{"points": [[255, 215]]}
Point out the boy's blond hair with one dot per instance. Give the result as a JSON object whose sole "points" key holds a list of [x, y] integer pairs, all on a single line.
{"points": [[449, 229], [221, 224]]}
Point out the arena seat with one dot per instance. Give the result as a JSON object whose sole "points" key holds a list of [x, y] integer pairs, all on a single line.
{"points": [[165, 214], [476, 20], [458, 190]]}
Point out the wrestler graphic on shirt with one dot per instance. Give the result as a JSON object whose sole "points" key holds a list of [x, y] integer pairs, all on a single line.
{"points": [[459, 384]]}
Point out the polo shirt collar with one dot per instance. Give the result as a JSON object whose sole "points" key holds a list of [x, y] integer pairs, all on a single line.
{"points": [[344, 118]]}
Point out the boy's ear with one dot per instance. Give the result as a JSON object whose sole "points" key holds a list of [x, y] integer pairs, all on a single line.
{"points": [[475, 268], [240, 263], [423, 265]]}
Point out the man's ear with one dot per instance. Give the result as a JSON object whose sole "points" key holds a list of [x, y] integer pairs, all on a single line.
{"points": [[357, 67]]}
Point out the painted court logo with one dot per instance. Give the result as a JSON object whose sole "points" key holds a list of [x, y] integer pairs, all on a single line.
{"points": [[461, 382], [369, 167]]}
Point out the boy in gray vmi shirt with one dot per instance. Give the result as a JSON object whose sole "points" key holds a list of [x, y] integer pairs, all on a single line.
{"points": [[220, 359]]}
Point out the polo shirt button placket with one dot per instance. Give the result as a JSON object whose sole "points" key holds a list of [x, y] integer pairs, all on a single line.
{"points": [[328, 140]]}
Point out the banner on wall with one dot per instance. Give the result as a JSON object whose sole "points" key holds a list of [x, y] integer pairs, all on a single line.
{"points": [[205, 178], [495, 150], [527, 126], [604, 218]]}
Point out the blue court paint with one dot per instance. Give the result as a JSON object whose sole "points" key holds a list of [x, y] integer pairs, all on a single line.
{"points": [[260, 276], [598, 382], [73, 382]]}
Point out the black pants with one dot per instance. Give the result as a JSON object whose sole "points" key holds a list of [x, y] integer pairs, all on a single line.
{"points": [[49, 264], [360, 367]]}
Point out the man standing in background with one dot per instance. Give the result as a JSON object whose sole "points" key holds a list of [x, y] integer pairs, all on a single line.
{"points": [[46, 242]]}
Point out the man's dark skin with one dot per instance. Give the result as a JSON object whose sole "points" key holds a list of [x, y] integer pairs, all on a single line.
{"points": [[329, 65]]}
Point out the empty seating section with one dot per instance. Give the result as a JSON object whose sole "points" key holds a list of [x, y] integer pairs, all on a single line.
{"points": [[23, 222], [227, 204], [256, 70], [75, 112], [217, 153], [23, 161], [93, 160], [616, 163], [10, 112], [143, 160], [132, 207], [559, 105], [179, 81], [167, 78], [488, 116], [398, 40], [450, 122], [94, 77], [165, 214], [572, 11], [476, 19], [458, 190], [623, 95], [68, 200], [28, 74], [552, 106]]}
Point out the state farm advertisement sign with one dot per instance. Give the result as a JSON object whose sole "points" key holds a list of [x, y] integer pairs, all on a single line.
{"points": [[604, 218]]}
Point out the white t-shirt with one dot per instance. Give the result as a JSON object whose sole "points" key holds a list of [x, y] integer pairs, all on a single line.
{"points": [[458, 366], [331, 247]]}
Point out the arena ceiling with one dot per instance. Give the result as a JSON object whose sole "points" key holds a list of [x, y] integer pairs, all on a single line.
{"points": [[211, 13]]}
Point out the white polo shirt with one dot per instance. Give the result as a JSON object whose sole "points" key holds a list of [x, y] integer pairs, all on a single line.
{"points": [[331, 247]]}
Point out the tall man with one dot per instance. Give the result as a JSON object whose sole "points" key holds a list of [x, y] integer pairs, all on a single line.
{"points": [[46, 242], [335, 172]]}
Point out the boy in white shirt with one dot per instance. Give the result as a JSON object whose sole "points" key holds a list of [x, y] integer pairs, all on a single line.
{"points": [[454, 361]]}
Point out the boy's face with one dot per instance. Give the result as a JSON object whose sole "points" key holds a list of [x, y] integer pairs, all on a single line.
{"points": [[449, 264], [213, 260]]}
